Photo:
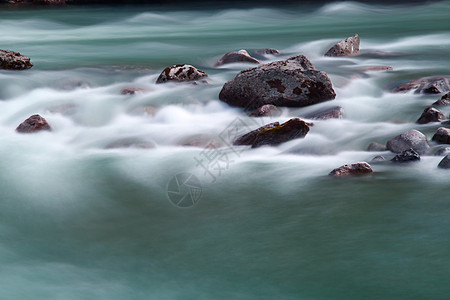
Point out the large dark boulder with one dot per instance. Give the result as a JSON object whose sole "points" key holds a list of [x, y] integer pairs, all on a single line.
{"points": [[237, 56], [411, 139], [274, 134], [11, 60], [426, 85], [293, 82], [347, 47], [430, 115], [356, 169], [33, 124], [442, 136], [180, 73], [444, 101], [335, 112], [406, 156]]}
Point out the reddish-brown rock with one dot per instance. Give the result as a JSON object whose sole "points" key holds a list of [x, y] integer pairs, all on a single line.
{"points": [[347, 47], [356, 169], [430, 115], [33, 124]]}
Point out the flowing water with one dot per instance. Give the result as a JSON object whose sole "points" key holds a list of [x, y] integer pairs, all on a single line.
{"points": [[85, 210]]}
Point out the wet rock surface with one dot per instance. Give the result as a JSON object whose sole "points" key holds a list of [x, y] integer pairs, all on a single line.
{"points": [[347, 47], [442, 136], [267, 110], [180, 73], [445, 162], [425, 85], [294, 82], [430, 115], [335, 112], [444, 100], [33, 124], [10, 60], [411, 139], [235, 57], [406, 156], [356, 169]]}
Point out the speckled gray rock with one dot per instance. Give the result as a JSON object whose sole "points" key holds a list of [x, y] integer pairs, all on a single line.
{"points": [[430, 115], [356, 169], [411, 139], [293, 82], [237, 56], [33, 124], [442, 136], [335, 112], [180, 73], [426, 85], [347, 47], [10, 60], [444, 101], [267, 110], [406, 156], [445, 162]]}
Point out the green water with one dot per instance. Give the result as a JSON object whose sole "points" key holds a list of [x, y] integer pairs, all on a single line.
{"points": [[79, 220]]}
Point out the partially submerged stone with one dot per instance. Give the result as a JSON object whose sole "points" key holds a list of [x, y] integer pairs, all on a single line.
{"points": [[274, 134], [335, 112], [294, 82], [10, 60], [430, 115], [445, 162], [406, 156], [347, 47], [411, 139], [444, 100], [132, 91], [235, 57], [356, 169], [33, 124], [180, 73], [442, 136], [378, 69], [376, 147], [425, 85], [267, 110]]}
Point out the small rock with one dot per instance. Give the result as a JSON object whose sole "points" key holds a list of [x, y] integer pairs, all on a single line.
{"points": [[33, 124], [411, 139], [347, 47], [237, 56], [376, 147], [356, 169], [445, 162], [406, 156], [293, 82], [378, 159], [10, 60], [431, 114], [267, 110], [262, 53], [129, 143], [201, 141], [378, 68], [442, 151], [274, 134], [444, 101], [442, 136], [335, 112], [132, 91], [180, 73], [426, 85]]}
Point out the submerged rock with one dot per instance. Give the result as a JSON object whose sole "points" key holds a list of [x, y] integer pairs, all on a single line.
{"points": [[378, 159], [267, 110], [33, 124], [411, 139], [180, 73], [445, 162], [442, 136], [378, 69], [10, 60], [426, 85], [335, 112], [274, 134], [444, 101], [431, 114], [376, 147], [263, 52], [356, 169], [293, 82], [406, 156], [132, 91], [237, 56], [347, 47]]}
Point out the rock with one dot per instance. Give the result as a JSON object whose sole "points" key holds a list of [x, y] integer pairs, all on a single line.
{"points": [[73, 84], [130, 143], [411, 139], [335, 112], [201, 141], [378, 68], [274, 134], [356, 169], [262, 53], [378, 159], [445, 162], [132, 91], [444, 101], [180, 73], [237, 56], [347, 47], [50, 2], [33, 124], [431, 114], [376, 147], [267, 110], [426, 85], [293, 82], [442, 136], [10, 60], [442, 151], [406, 156]]}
